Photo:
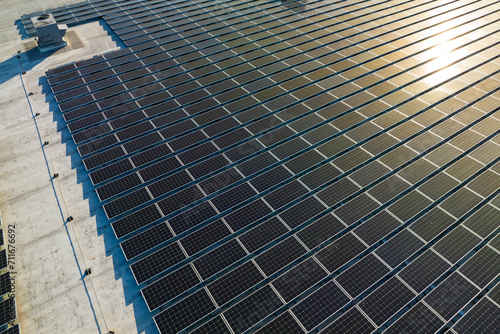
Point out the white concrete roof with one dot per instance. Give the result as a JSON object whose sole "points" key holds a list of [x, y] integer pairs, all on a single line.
{"points": [[51, 254]]}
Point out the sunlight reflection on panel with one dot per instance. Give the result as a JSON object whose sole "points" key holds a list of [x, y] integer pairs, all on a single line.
{"points": [[442, 64], [447, 38], [445, 49]]}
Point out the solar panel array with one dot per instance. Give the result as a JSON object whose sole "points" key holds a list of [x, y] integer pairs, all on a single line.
{"points": [[81, 12], [299, 166]]}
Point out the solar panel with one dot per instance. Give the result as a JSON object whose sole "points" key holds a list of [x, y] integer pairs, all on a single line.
{"points": [[8, 310], [395, 296], [319, 305], [185, 312], [263, 234], [274, 167], [234, 283], [5, 283], [424, 270], [483, 317], [399, 248], [483, 267], [260, 304], [451, 295], [219, 259], [148, 239], [157, 262], [16, 329], [3, 259], [456, 244], [419, 318], [280, 255], [340, 252], [362, 275], [170, 286]]}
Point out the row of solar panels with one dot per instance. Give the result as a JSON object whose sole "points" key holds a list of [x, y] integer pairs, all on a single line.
{"points": [[120, 61], [193, 295], [96, 145], [128, 17], [454, 292], [97, 59], [167, 253], [85, 11], [150, 18]]}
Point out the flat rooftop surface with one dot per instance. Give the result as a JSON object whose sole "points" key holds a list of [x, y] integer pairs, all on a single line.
{"points": [[261, 166], [51, 256]]}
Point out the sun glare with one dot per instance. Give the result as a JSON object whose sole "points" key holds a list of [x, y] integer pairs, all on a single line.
{"points": [[445, 52]]}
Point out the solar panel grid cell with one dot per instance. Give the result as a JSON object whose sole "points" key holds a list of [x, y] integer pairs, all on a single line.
{"points": [[263, 234], [142, 142], [399, 248], [388, 299], [205, 237], [146, 240], [136, 220], [170, 286], [483, 267], [280, 255], [340, 252], [192, 217], [184, 313], [362, 275], [252, 309], [424, 270], [319, 305], [114, 188], [235, 282]]}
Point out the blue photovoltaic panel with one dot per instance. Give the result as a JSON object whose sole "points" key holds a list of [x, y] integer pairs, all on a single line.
{"points": [[297, 166]]}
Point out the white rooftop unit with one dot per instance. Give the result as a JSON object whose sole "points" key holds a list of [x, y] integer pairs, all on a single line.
{"points": [[49, 32]]}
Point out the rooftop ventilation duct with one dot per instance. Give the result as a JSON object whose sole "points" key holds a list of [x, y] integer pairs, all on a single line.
{"points": [[49, 33]]}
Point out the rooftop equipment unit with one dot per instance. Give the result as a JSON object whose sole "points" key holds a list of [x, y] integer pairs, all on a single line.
{"points": [[50, 34]]}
